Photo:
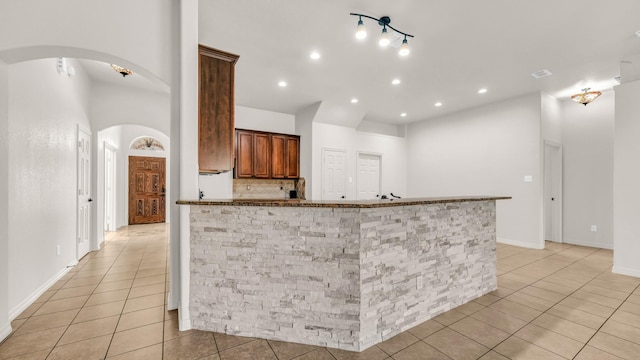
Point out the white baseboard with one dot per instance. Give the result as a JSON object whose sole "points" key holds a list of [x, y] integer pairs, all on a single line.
{"points": [[519, 243], [184, 320], [172, 302], [626, 271], [5, 331], [589, 244], [13, 313]]}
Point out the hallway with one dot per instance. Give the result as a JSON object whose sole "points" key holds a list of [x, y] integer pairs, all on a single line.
{"points": [[559, 303]]}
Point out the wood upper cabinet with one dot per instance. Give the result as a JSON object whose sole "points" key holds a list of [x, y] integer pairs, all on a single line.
{"points": [[279, 156], [253, 154], [216, 71], [244, 155], [293, 157], [267, 155]]}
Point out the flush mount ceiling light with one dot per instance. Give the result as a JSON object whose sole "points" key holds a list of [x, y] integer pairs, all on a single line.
{"points": [[123, 71], [282, 83], [385, 39], [586, 96]]}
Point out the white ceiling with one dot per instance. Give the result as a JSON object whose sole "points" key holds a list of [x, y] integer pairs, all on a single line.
{"points": [[105, 74], [459, 47]]}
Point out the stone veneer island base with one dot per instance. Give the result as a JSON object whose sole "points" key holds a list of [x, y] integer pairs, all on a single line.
{"points": [[346, 275]]}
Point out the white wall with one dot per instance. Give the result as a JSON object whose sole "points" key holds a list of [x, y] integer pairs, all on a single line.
{"points": [[304, 128], [485, 151], [220, 186], [588, 135], [118, 105], [5, 326], [45, 109], [391, 148], [263, 120], [551, 112], [626, 194], [137, 38]]}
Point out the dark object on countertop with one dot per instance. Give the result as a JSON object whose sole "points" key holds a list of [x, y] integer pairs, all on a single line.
{"points": [[395, 196], [293, 194], [383, 197]]}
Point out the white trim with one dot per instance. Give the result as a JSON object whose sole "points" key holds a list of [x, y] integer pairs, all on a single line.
{"points": [[13, 313], [184, 316], [626, 271], [519, 243], [5, 331], [589, 244]]}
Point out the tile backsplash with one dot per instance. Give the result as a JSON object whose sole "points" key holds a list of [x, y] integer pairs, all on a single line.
{"points": [[264, 188]]}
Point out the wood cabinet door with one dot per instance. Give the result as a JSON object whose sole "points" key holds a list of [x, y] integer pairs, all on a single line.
{"points": [[244, 155], [146, 190], [261, 155], [278, 156], [215, 109], [293, 157]]}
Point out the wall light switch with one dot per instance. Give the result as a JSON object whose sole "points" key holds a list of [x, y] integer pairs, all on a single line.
{"points": [[350, 179], [528, 178], [58, 250], [594, 228]]}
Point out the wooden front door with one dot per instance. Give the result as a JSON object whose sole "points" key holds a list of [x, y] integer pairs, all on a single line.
{"points": [[146, 190]]}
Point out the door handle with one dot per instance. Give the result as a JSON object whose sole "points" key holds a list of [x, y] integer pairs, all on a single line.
{"points": [[342, 197], [553, 199], [90, 200]]}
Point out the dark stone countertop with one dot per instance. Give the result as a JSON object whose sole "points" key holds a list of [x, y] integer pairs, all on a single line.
{"points": [[340, 203]]}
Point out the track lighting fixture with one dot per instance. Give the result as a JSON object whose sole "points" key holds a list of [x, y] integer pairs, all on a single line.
{"points": [[385, 38]]}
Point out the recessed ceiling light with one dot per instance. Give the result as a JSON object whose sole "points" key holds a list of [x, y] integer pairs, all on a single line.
{"points": [[315, 55], [282, 83], [438, 104], [482, 91], [395, 81], [354, 101], [403, 114]]}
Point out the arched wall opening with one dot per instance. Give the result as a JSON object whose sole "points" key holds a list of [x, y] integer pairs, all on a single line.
{"points": [[120, 137], [44, 110]]}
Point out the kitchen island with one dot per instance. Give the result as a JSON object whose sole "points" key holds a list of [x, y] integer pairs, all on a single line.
{"points": [[343, 274]]}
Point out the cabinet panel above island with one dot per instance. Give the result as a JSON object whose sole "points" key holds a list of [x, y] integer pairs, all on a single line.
{"points": [[215, 109]]}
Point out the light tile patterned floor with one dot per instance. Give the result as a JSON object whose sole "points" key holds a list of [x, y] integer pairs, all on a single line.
{"points": [[559, 303]]}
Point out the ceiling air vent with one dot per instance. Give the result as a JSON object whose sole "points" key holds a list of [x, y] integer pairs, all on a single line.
{"points": [[541, 73]]}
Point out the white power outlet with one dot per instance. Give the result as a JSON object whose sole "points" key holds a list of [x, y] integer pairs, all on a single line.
{"points": [[594, 228], [419, 282], [58, 250]]}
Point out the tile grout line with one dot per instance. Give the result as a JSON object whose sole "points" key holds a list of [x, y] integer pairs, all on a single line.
{"points": [[599, 328], [544, 312]]}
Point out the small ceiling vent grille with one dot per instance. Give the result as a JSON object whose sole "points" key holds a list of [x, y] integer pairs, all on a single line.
{"points": [[541, 73]]}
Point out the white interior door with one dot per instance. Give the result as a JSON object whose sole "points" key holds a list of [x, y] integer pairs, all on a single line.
{"points": [[368, 176], [84, 192], [109, 187], [333, 174], [553, 192]]}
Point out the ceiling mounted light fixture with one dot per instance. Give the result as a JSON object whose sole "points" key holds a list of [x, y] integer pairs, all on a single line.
{"points": [[123, 71], [385, 38], [586, 96]]}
